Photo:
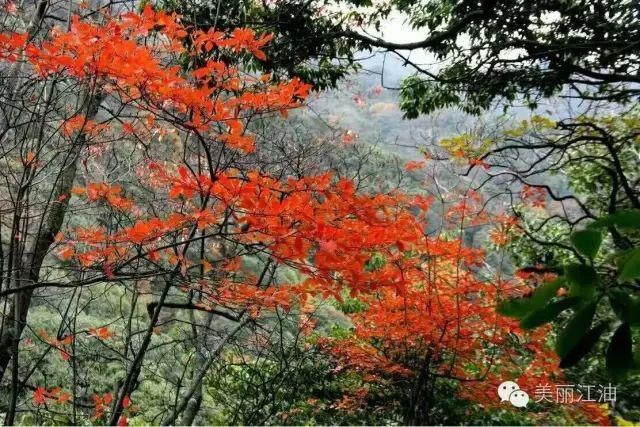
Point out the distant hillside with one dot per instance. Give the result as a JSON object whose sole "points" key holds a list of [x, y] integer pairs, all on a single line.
{"points": [[367, 105]]}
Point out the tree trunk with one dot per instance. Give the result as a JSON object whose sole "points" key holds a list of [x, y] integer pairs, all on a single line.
{"points": [[16, 319], [196, 385]]}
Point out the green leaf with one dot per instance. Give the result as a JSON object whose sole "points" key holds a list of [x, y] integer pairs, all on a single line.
{"points": [[520, 307], [545, 292], [623, 219], [621, 257], [625, 306], [631, 268], [547, 313], [515, 307], [587, 242], [582, 280], [620, 353], [576, 329], [583, 347]]}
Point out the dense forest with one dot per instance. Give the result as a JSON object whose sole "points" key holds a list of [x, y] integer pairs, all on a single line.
{"points": [[319, 212]]}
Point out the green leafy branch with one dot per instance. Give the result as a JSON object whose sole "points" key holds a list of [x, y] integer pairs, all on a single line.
{"points": [[589, 288]]}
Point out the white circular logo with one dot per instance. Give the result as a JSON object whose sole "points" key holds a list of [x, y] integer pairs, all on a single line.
{"points": [[519, 398], [505, 389]]}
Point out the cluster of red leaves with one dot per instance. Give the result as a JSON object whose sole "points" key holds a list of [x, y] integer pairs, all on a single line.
{"points": [[534, 196], [414, 165], [63, 343], [446, 316], [479, 163], [444, 313], [505, 227], [111, 194], [441, 308], [467, 209], [59, 344], [310, 222], [102, 333], [352, 402], [596, 413], [10, 46], [115, 56], [41, 396], [539, 366], [424, 299], [79, 123], [101, 405]]}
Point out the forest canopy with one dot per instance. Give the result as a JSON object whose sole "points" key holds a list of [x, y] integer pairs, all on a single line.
{"points": [[279, 213]]}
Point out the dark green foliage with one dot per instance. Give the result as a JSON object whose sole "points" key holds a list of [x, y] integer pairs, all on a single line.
{"points": [[619, 353], [625, 306], [631, 267], [586, 286], [527, 50], [583, 346], [520, 49], [582, 280], [300, 47], [547, 313], [622, 219], [520, 307], [587, 242], [576, 329]]}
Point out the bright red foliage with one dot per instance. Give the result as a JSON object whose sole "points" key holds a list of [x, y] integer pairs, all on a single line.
{"points": [[425, 299], [42, 396]]}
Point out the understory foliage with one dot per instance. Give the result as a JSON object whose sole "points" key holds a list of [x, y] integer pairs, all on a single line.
{"points": [[170, 265]]}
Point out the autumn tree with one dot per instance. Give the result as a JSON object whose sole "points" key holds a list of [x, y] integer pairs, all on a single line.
{"points": [[439, 329], [563, 194], [137, 184], [505, 53], [174, 221]]}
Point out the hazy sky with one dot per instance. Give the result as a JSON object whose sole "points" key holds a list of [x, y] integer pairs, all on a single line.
{"points": [[395, 29]]}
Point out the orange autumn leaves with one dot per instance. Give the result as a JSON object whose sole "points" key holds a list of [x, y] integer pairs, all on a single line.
{"points": [[442, 305], [116, 57], [41, 396], [79, 123], [423, 297], [63, 344], [102, 333], [444, 319], [442, 313], [111, 194], [101, 404], [311, 221], [56, 395]]}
